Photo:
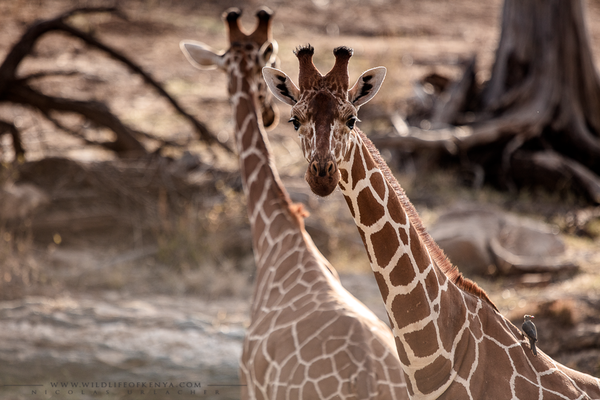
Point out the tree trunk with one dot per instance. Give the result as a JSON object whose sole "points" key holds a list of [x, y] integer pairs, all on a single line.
{"points": [[545, 76], [543, 96]]}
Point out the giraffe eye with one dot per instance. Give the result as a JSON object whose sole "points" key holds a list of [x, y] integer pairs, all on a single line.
{"points": [[296, 123], [351, 121]]}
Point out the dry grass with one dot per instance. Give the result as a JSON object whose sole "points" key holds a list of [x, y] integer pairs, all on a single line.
{"points": [[209, 247]]}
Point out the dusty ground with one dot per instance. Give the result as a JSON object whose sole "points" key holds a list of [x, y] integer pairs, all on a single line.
{"points": [[131, 273]]}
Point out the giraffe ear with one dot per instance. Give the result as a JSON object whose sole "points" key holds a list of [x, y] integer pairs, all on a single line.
{"points": [[200, 55], [268, 53], [367, 86], [281, 85]]}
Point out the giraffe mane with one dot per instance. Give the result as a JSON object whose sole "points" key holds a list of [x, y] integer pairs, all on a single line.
{"points": [[438, 255]]}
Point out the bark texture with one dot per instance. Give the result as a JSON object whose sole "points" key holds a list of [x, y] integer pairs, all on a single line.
{"points": [[538, 115]]}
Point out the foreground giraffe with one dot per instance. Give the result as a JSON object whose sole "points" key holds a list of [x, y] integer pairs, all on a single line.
{"points": [[308, 337], [452, 341]]}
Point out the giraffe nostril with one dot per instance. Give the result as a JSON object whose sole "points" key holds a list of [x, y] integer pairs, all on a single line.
{"points": [[330, 168], [314, 168]]}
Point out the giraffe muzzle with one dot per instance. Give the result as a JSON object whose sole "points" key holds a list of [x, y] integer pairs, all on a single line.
{"points": [[322, 176]]}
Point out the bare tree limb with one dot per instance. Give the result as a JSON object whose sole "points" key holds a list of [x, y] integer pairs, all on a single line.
{"points": [[453, 101], [95, 111], [557, 169], [200, 127], [25, 45], [163, 142], [108, 145], [10, 86], [45, 74], [70, 131]]}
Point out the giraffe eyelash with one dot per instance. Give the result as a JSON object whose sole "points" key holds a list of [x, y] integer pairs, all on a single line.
{"points": [[351, 121], [295, 122]]}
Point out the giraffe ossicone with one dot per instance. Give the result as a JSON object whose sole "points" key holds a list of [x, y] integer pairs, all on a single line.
{"points": [[451, 340], [308, 337]]}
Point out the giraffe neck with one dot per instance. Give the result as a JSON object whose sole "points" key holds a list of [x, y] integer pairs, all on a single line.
{"points": [[275, 221], [425, 307], [259, 178]]}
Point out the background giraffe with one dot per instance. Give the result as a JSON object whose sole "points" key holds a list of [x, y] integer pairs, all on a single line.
{"points": [[308, 337], [452, 341]]}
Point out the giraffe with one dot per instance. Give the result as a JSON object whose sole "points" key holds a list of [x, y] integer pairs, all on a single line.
{"points": [[308, 337], [452, 341]]}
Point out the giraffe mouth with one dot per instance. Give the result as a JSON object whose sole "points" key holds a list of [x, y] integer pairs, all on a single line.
{"points": [[322, 176]]}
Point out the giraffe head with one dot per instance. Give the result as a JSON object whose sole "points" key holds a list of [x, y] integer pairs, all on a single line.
{"points": [[246, 56], [324, 111]]}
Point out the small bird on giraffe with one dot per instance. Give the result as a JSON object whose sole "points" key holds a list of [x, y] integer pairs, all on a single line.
{"points": [[530, 331]]}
